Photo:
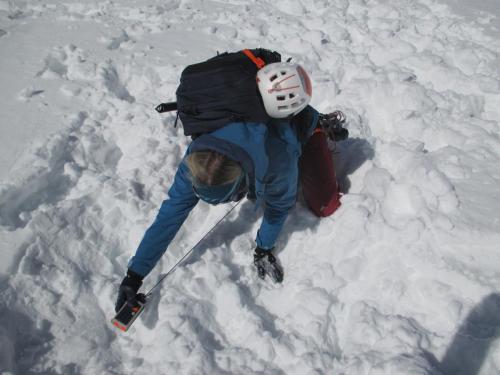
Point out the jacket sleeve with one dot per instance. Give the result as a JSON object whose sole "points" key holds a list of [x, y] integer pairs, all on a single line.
{"points": [[279, 199], [173, 212], [305, 122], [281, 191]]}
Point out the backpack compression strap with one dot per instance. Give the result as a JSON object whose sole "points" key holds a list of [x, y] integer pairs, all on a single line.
{"points": [[166, 107]]}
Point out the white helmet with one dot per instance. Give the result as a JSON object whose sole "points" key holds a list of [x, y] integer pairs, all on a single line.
{"points": [[285, 89]]}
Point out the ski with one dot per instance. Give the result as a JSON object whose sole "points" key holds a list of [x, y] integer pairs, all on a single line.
{"points": [[128, 313]]}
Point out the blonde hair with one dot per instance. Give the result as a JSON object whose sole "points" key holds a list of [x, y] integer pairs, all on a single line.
{"points": [[212, 168]]}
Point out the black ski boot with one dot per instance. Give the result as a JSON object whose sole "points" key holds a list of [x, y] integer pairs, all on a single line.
{"points": [[266, 264]]}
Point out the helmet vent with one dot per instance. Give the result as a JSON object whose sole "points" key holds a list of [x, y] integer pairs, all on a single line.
{"points": [[285, 89]]}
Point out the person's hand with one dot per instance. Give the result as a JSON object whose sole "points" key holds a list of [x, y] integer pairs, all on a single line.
{"points": [[333, 123], [128, 290], [266, 264]]}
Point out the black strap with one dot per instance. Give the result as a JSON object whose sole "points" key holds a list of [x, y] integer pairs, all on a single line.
{"points": [[166, 107]]}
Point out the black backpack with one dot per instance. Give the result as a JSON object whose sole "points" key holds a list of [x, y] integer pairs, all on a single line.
{"points": [[221, 90]]}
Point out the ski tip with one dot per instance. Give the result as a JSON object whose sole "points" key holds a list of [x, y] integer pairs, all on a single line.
{"points": [[118, 325], [127, 315]]}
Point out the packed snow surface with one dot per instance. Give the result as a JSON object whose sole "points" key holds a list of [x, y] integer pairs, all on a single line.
{"points": [[403, 279]]}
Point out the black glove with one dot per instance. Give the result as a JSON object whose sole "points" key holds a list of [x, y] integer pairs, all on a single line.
{"points": [[128, 290], [333, 123], [267, 264]]}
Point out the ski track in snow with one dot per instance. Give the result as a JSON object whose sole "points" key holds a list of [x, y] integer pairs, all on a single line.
{"points": [[403, 279]]}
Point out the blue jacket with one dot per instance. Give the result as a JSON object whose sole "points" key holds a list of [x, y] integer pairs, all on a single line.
{"points": [[269, 154]]}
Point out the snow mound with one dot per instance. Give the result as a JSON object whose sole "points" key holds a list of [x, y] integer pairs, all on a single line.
{"points": [[403, 279]]}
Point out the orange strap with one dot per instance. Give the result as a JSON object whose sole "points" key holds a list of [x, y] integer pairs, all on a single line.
{"points": [[256, 60]]}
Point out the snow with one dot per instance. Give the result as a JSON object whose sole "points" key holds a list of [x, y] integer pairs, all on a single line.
{"points": [[402, 279], [485, 13]]}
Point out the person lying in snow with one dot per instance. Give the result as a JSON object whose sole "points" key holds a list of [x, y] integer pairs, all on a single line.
{"points": [[257, 160]]}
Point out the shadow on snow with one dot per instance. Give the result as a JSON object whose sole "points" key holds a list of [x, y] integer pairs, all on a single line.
{"points": [[472, 341]]}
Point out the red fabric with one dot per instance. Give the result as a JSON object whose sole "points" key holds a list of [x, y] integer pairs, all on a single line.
{"points": [[317, 176]]}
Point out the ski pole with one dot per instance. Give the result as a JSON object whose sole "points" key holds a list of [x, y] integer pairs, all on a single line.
{"points": [[191, 250]]}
